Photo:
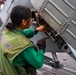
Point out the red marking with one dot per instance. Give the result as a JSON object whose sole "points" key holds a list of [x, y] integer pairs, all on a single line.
{"points": [[2, 1]]}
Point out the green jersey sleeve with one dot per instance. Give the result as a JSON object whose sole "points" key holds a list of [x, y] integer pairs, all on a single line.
{"points": [[29, 32], [36, 59]]}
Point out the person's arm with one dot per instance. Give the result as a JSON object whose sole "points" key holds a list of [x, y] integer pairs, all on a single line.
{"points": [[36, 59], [29, 32]]}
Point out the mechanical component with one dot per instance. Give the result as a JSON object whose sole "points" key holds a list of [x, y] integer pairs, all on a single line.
{"points": [[62, 28], [61, 21]]}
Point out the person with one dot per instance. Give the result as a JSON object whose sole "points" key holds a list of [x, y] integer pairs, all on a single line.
{"points": [[18, 55]]}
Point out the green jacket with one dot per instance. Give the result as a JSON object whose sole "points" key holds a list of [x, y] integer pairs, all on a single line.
{"points": [[37, 57], [12, 46], [36, 60]]}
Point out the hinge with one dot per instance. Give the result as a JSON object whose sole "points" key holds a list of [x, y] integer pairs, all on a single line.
{"points": [[43, 5], [62, 28]]}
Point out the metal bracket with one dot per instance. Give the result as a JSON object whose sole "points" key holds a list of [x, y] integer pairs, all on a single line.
{"points": [[62, 28], [43, 5]]}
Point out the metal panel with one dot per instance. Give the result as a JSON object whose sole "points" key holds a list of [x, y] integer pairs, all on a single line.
{"points": [[61, 16]]}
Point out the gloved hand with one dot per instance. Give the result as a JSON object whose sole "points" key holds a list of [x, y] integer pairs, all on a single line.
{"points": [[41, 44]]}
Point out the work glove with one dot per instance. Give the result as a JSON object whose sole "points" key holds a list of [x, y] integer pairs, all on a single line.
{"points": [[41, 44]]}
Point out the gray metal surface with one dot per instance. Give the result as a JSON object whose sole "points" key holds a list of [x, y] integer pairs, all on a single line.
{"points": [[68, 69], [44, 71], [61, 16]]}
